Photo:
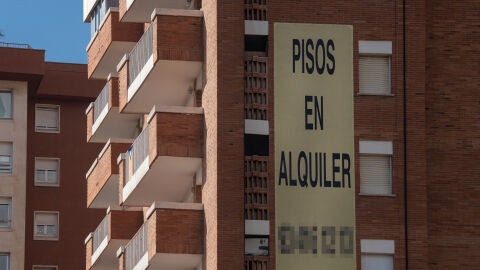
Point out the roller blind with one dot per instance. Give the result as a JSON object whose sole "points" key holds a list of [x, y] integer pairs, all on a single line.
{"points": [[377, 262], [46, 118], [374, 75], [375, 174]]}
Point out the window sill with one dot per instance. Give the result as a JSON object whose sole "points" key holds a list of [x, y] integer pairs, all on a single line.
{"points": [[374, 95], [378, 195], [39, 130], [6, 229], [46, 185], [45, 238]]}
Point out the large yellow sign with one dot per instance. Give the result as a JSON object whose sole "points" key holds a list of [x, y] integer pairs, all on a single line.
{"points": [[314, 147]]}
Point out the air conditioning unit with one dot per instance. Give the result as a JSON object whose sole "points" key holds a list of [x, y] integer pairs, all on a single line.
{"points": [[256, 246]]}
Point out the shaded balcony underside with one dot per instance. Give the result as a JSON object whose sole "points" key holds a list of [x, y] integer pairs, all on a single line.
{"points": [[167, 179], [141, 10], [108, 194], [115, 125], [109, 60], [107, 259], [166, 82]]}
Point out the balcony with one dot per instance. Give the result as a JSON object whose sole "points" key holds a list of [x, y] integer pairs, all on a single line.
{"points": [[102, 177], [165, 158], [107, 46], [256, 196], [104, 121], [171, 238], [256, 98], [140, 10], [115, 230], [165, 67], [256, 20]]}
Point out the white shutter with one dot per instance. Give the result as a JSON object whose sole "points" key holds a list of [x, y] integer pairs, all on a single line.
{"points": [[46, 218], [374, 74], [377, 262], [375, 174], [46, 118]]}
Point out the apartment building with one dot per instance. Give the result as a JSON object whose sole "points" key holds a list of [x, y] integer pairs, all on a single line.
{"points": [[263, 134], [43, 217]]}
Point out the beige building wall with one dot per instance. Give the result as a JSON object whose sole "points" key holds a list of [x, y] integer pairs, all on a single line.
{"points": [[14, 130]]}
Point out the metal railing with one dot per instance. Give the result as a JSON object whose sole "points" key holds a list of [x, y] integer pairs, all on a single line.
{"points": [[136, 154], [101, 102], [140, 54], [256, 263], [256, 99], [255, 10], [100, 233], [15, 45], [256, 189], [136, 248]]}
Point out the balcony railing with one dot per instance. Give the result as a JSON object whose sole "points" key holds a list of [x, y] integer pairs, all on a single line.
{"points": [[256, 189], [256, 101], [256, 263], [100, 233], [137, 154], [140, 54], [15, 45], [136, 248], [101, 102], [256, 10]]}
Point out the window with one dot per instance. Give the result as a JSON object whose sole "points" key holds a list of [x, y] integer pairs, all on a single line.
{"points": [[375, 167], [4, 261], [46, 171], [5, 212], [98, 14], [377, 254], [5, 104], [375, 67], [47, 118], [6, 151], [45, 267], [46, 226]]}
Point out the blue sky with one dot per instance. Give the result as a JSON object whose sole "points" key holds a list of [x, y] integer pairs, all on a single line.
{"points": [[53, 25]]}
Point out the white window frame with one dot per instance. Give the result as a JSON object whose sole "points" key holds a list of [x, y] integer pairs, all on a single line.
{"points": [[7, 254], [5, 165], [377, 247], [36, 267], [376, 49], [7, 199], [47, 184], [51, 107], [45, 236], [11, 103], [377, 148]]}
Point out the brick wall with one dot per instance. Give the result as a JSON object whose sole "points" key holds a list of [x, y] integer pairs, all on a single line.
{"points": [[178, 38], [124, 224], [453, 132], [105, 168]]}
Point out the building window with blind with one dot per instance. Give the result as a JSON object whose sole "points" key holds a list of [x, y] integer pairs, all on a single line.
{"points": [[46, 225], [47, 118], [5, 212], [6, 158], [47, 171], [374, 68], [375, 159], [5, 104], [377, 254], [4, 261]]}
